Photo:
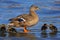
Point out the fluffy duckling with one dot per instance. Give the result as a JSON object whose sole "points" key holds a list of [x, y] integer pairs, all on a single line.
{"points": [[3, 28], [44, 27], [52, 27], [11, 29]]}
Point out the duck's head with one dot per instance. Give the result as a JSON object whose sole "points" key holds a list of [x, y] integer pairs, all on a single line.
{"points": [[34, 8]]}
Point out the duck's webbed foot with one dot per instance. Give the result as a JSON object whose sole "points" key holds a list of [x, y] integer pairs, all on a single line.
{"points": [[25, 29]]}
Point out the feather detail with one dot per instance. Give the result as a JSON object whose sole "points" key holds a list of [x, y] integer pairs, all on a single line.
{"points": [[21, 19]]}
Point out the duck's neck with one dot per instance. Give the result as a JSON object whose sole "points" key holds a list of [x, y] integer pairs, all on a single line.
{"points": [[33, 13]]}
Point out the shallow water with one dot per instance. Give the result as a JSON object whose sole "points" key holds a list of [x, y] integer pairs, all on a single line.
{"points": [[49, 13], [30, 36]]}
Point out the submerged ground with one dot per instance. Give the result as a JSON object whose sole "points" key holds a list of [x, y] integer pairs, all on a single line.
{"points": [[49, 13]]}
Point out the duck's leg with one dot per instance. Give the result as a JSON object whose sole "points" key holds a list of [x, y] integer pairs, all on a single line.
{"points": [[25, 29]]}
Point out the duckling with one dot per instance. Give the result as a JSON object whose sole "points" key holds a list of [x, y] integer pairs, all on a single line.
{"points": [[52, 27], [27, 20], [3, 28], [10, 27], [44, 27]]}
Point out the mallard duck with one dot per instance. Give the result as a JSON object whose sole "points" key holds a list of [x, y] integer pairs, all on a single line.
{"points": [[26, 20]]}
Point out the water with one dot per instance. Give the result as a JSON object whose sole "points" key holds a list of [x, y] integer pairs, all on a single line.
{"points": [[49, 13]]}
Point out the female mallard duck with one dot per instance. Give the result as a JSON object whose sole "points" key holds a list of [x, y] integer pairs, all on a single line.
{"points": [[25, 20]]}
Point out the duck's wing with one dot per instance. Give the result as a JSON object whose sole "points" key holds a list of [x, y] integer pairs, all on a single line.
{"points": [[25, 17], [18, 17], [13, 19]]}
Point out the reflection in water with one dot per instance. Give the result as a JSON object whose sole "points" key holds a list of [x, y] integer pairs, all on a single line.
{"points": [[2, 34], [53, 34], [44, 34], [28, 36], [24, 36]]}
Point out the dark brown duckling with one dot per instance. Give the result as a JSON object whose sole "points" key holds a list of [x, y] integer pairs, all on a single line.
{"points": [[10, 29], [44, 27], [3, 28], [52, 27]]}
